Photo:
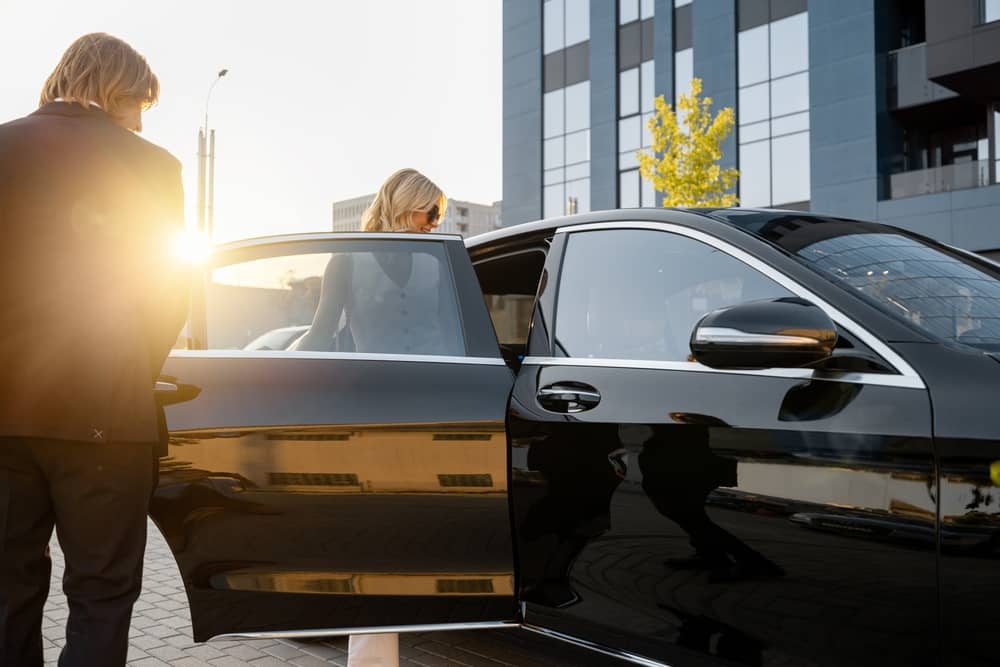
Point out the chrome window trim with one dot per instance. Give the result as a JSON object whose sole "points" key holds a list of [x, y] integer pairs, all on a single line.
{"points": [[583, 643], [876, 344], [342, 356], [376, 629], [879, 379], [333, 236]]}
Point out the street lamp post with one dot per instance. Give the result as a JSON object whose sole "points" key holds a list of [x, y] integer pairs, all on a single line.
{"points": [[206, 167]]}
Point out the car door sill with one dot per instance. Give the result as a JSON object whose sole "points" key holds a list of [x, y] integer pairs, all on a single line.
{"points": [[335, 632], [615, 653]]}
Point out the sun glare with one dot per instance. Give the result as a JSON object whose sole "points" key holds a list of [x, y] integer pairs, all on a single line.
{"points": [[191, 247]]}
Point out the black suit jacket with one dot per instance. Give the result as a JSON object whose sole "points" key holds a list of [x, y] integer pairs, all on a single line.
{"points": [[91, 298]]}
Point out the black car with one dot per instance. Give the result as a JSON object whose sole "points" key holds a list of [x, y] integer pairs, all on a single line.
{"points": [[684, 437]]}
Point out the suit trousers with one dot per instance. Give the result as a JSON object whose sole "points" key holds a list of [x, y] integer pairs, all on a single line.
{"points": [[96, 495]]}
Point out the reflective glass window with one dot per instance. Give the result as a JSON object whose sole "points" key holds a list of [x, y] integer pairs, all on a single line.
{"points": [[790, 168], [790, 94], [578, 196], [648, 193], [628, 11], [996, 139], [683, 72], [628, 189], [578, 171], [578, 147], [578, 106], [774, 104], [553, 200], [553, 176], [681, 3], [790, 45], [628, 92], [290, 302], [577, 21], [628, 160], [553, 153], [629, 134], [754, 104], [554, 112], [991, 10], [646, 8], [753, 56], [648, 87], [755, 174], [647, 134], [552, 23], [754, 132], [788, 124], [643, 301]]}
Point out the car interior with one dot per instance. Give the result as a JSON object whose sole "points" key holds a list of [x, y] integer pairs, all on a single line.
{"points": [[509, 284]]}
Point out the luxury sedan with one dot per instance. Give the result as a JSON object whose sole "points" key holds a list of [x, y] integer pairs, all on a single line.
{"points": [[681, 437]]}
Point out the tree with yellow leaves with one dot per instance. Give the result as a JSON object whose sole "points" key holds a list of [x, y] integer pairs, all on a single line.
{"points": [[687, 146]]}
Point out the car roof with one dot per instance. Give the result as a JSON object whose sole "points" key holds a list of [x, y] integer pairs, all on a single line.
{"points": [[746, 219]]}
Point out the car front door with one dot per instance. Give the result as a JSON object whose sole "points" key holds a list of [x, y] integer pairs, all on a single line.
{"points": [[356, 480], [667, 510]]}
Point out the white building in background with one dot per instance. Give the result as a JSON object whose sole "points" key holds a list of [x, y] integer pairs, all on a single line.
{"points": [[462, 217]]}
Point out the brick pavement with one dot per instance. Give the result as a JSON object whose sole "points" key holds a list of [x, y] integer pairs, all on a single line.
{"points": [[161, 634]]}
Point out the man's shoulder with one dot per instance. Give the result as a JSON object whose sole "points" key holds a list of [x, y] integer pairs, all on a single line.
{"points": [[152, 152]]}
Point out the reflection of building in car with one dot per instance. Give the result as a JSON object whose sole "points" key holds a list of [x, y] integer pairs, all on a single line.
{"points": [[277, 339]]}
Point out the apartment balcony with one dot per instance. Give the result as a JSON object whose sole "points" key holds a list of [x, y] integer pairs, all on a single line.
{"points": [[907, 79], [946, 178]]}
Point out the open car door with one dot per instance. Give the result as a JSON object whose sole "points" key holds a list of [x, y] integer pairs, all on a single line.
{"points": [[356, 478]]}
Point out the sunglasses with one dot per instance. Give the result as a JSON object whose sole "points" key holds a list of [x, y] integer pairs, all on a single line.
{"points": [[433, 214]]}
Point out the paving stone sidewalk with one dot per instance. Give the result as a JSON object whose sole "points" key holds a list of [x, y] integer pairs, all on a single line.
{"points": [[161, 634]]}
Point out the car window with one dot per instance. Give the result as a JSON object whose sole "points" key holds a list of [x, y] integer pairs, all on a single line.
{"points": [[509, 284], [396, 299], [637, 294]]}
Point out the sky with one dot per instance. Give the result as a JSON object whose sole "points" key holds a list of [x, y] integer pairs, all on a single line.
{"points": [[323, 100]]}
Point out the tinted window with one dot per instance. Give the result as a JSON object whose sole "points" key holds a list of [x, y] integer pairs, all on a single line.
{"points": [[642, 299], [362, 297], [509, 284]]}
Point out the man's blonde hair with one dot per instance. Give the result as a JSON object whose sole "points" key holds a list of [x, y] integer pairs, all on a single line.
{"points": [[402, 194], [105, 70]]}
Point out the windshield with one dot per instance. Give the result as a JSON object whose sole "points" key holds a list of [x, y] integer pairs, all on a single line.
{"points": [[940, 293], [951, 297]]}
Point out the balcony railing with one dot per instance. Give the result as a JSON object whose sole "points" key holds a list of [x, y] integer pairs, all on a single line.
{"points": [[908, 85], [939, 179]]}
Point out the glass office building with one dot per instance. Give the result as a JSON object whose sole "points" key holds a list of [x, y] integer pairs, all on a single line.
{"points": [[877, 109]]}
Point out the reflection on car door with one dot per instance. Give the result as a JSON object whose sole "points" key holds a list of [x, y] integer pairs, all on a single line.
{"points": [[316, 491], [689, 515]]}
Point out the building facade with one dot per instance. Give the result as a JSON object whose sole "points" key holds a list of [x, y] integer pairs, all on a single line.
{"points": [[883, 110], [461, 217]]}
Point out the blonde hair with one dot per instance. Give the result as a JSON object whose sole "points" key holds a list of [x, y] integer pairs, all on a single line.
{"points": [[402, 194], [105, 70]]}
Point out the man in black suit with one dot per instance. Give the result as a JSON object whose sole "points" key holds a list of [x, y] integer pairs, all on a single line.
{"points": [[91, 302]]}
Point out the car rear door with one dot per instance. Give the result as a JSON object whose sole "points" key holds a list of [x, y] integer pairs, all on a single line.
{"points": [[309, 491]]}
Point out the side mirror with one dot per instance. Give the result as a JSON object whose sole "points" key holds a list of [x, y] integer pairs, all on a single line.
{"points": [[783, 333]]}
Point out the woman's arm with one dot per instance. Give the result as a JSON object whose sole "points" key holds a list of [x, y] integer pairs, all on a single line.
{"points": [[333, 298]]}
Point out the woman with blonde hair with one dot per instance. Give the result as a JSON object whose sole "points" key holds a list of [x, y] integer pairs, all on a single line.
{"points": [[388, 302]]}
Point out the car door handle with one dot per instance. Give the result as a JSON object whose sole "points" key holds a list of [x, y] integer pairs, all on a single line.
{"points": [[165, 387], [568, 397]]}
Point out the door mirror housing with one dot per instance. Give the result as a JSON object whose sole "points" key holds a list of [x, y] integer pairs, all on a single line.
{"points": [[781, 333]]}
